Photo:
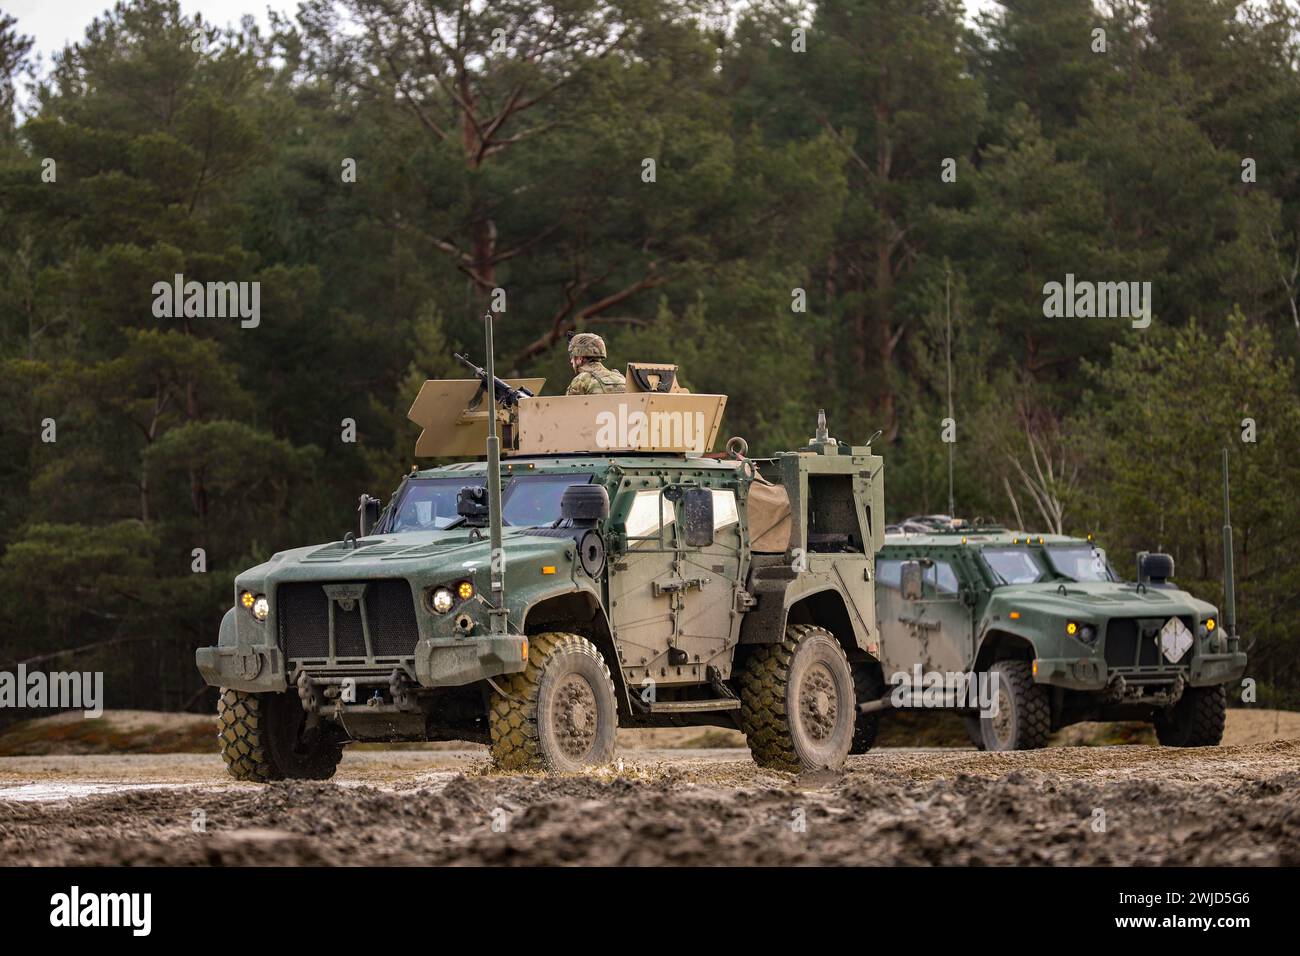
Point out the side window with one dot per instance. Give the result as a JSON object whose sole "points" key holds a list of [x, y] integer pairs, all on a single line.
{"points": [[940, 578], [890, 574], [643, 517], [724, 509]]}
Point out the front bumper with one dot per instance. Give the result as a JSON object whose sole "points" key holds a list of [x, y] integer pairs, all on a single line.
{"points": [[441, 663], [1092, 674]]}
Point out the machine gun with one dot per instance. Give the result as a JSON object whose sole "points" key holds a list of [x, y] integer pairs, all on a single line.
{"points": [[505, 394]]}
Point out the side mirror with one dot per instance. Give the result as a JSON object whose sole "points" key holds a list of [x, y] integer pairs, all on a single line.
{"points": [[368, 512], [697, 517], [911, 580]]}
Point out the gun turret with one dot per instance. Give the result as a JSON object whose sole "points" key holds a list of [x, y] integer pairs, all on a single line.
{"points": [[504, 392]]}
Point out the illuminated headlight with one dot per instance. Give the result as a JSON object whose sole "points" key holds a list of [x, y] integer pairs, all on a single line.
{"points": [[261, 607], [1082, 632], [442, 600]]}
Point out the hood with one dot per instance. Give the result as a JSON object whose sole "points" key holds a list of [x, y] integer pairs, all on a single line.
{"points": [[1101, 599], [415, 554]]}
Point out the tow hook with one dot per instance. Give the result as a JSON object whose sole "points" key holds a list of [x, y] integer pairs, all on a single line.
{"points": [[1116, 687]]}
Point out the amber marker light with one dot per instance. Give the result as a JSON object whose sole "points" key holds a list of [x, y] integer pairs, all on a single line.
{"points": [[1210, 624], [1071, 629], [465, 590], [548, 569], [1015, 615], [246, 599]]}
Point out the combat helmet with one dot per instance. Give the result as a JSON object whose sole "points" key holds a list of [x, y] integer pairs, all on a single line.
{"points": [[587, 344]]}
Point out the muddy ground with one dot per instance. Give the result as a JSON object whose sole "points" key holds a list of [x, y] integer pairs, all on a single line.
{"points": [[1228, 805]]}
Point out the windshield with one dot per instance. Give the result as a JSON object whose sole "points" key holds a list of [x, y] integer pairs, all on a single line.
{"points": [[1080, 563], [1013, 565], [429, 504]]}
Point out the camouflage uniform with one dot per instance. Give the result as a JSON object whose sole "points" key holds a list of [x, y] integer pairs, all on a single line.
{"points": [[593, 378]]}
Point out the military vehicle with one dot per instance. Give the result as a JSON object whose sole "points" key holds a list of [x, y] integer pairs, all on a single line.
{"points": [[1066, 637], [596, 567]]}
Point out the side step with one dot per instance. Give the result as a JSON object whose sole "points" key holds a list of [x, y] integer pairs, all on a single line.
{"points": [[692, 706]]}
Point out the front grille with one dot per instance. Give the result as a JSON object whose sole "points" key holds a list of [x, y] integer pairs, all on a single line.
{"points": [[303, 612], [1135, 642], [1121, 642]]}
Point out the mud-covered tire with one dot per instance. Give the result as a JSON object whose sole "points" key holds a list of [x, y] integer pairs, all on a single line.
{"points": [[1024, 719], [1197, 719], [262, 739], [867, 685], [559, 713], [865, 729], [797, 706]]}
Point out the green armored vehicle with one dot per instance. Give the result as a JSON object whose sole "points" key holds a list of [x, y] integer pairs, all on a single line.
{"points": [[602, 569], [1066, 639]]}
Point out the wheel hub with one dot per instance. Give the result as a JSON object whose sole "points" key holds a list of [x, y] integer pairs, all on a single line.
{"points": [[573, 712], [818, 702]]}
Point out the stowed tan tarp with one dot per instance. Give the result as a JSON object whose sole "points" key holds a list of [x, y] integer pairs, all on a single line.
{"points": [[769, 517]]}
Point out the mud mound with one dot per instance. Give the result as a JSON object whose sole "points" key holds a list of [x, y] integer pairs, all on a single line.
{"points": [[1117, 806]]}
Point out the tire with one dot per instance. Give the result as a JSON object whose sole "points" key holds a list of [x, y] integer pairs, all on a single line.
{"points": [[797, 706], [973, 730], [559, 713], [867, 685], [1024, 718], [1197, 719], [264, 737]]}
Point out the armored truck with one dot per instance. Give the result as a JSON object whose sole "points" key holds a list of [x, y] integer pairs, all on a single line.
{"points": [[598, 567], [1066, 638]]}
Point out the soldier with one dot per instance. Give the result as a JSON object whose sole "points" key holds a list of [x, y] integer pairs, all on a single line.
{"points": [[586, 351]]}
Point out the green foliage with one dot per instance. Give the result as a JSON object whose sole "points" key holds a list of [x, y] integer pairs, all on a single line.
{"points": [[906, 158]]}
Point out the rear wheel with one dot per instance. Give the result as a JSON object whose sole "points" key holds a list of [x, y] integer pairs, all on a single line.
{"points": [[868, 686], [797, 706], [1197, 719], [559, 713], [1024, 714], [267, 737]]}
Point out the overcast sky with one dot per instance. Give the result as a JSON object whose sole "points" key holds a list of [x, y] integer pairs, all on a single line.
{"points": [[55, 23]]}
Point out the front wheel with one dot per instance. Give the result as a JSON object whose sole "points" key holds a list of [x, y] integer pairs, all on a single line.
{"points": [[559, 713], [797, 706], [267, 737], [1197, 720], [1023, 720]]}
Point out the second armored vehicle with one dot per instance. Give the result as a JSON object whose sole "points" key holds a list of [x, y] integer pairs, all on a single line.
{"points": [[1066, 637]]}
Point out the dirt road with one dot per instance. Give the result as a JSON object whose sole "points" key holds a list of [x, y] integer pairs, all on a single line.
{"points": [[1227, 805]]}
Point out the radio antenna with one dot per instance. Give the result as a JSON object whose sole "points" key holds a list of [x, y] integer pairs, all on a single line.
{"points": [[947, 297]]}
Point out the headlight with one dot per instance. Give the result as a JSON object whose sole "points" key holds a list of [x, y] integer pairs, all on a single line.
{"points": [[261, 607], [442, 600]]}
